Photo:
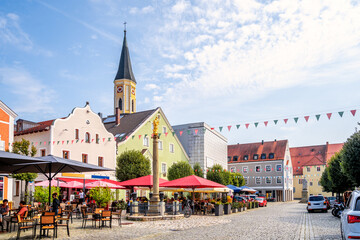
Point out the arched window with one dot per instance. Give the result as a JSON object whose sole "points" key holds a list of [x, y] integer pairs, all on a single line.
{"points": [[132, 105], [120, 104], [87, 137]]}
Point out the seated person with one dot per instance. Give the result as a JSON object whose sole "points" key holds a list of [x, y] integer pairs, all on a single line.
{"points": [[22, 209], [4, 209]]}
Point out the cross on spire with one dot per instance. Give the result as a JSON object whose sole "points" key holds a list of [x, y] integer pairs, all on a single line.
{"points": [[124, 26]]}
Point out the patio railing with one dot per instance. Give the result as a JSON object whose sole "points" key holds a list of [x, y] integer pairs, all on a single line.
{"points": [[161, 208]]}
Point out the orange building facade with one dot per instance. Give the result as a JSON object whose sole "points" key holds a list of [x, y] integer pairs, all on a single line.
{"points": [[7, 118]]}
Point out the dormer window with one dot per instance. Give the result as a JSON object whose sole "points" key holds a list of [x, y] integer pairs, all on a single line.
{"points": [[246, 157], [235, 158], [229, 159], [271, 155], [263, 156], [256, 156]]}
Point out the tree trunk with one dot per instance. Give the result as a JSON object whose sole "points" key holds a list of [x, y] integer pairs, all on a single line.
{"points": [[26, 192]]}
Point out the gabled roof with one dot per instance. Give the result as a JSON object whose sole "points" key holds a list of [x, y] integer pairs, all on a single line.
{"points": [[240, 150], [128, 123], [8, 110], [332, 149], [125, 69], [41, 126]]}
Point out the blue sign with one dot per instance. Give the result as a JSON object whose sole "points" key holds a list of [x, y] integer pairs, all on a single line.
{"points": [[100, 177]]}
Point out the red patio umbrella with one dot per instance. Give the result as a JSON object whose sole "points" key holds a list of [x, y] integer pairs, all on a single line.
{"points": [[73, 184], [103, 184], [145, 181], [53, 183]]}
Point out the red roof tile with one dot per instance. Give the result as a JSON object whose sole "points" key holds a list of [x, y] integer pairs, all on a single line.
{"points": [[240, 150], [332, 149], [42, 126]]}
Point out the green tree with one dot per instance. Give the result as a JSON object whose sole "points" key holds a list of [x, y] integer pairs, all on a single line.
{"points": [[198, 171], [351, 153], [325, 181], [41, 194], [132, 164], [339, 180], [23, 147], [215, 174], [237, 179], [101, 195], [179, 170]]}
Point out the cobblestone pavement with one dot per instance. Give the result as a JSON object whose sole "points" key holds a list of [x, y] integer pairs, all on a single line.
{"points": [[277, 221]]}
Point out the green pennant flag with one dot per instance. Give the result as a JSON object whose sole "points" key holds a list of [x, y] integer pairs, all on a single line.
{"points": [[296, 119], [109, 139], [188, 131], [40, 143], [220, 128], [32, 143], [204, 130], [120, 138], [133, 137], [173, 133], [67, 142], [58, 142], [256, 124], [77, 140], [159, 135], [276, 121], [317, 116], [145, 135], [237, 126], [49, 142], [341, 114]]}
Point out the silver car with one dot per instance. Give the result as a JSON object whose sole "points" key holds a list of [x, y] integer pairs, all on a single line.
{"points": [[316, 203], [350, 217], [332, 201]]}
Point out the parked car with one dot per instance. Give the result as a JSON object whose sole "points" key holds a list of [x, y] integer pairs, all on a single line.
{"points": [[316, 202], [241, 199], [332, 201], [262, 201], [350, 217]]}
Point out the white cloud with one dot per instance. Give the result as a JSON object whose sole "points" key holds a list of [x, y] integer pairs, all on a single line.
{"points": [[151, 86], [94, 36], [144, 10], [32, 95]]}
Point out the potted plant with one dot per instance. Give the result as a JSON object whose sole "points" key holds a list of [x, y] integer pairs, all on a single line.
{"points": [[219, 208], [256, 204], [227, 208], [235, 207]]}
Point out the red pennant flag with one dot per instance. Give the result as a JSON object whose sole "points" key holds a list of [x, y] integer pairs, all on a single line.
{"points": [[247, 125], [139, 136], [266, 123], [166, 134], [92, 140], [104, 139], [306, 118], [229, 127], [82, 140], [44, 143], [196, 131], [62, 142], [114, 138], [212, 128], [285, 120], [53, 142], [127, 137], [72, 141], [181, 132], [353, 112], [35, 143], [329, 115]]}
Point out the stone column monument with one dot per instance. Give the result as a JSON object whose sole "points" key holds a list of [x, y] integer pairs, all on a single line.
{"points": [[304, 193], [154, 201]]}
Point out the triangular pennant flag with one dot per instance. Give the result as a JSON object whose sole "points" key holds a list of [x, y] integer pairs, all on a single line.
{"points": [[127, 137], [62, 142], [196, 131], [132, 137], [296, 119], [188, 132], [353, 112], [37, 143], [166, 134], [329, 115], [77, 140], [40, 143], [139, 136], [103, 139], [58, 142], [212, 128], [53, 142], [120, 138], [145, 135], [72, 141], [237, 126], [173, 133], [229, 127], [159, 135], [266, 123], [247, 125], [220, 128], [92, 140], [109, 139], [341, 113], [181, 132], [285, 120], [82, 140], [67, 142], [49, 142], [256, 124], [44, 143], [318, 116], [306, 118], [32, 143], [276, 121]]}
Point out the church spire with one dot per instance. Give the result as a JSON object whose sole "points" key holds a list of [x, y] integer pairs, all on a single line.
{"points": [[125, 70]]}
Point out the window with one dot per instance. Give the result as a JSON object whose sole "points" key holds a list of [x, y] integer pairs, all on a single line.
{"points": [[235, 158], [233, 169], [263, 156], [172, 149], [300, 181], [120, 104], [100, 161], [163, 168], [87, 137], [97, 139], [357, 204], [268, 168], [257, 168], [43, 152], [278, 179], [164, 129], [146, 141], [246, 157], [311, 183], [17, 188], [229, 159], [84, 158], [76, 134], [258, 180], [66, 154], [278, 167], [256, 157], [294, 189], [246, 181], [160, 145], [268, 180], [318, 169], [271, 155], [245, 169], [308, 169]]}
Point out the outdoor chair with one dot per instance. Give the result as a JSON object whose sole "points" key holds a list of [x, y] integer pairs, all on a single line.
{"points": [[14, 220], [23, 225], [49, 213], [47, 223], [59, 223], [117, 216], [86, 217], [62, 205], [69, 210], [106, 216], [97, 215], [75, 210]]}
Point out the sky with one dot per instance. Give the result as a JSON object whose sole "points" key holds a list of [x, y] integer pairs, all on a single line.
{"points": [[220, 62]]}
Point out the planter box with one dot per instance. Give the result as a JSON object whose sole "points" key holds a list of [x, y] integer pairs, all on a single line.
{"points": [[244, 208], [235, 210], [227, 209], [219, 210], [239, 209]]}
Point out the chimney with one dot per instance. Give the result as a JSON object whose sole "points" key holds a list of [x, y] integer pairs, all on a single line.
{"points": [[100, 115], [262, 142], [117, 116], [275, 139]]}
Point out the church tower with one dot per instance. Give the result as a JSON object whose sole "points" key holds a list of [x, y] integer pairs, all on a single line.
{"points": [[125, 83]]}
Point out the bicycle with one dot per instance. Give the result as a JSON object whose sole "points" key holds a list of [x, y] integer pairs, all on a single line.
{"points": [[187, 210]]}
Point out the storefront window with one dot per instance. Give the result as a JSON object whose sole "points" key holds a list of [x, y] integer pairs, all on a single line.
{"points": [[1, 188]]}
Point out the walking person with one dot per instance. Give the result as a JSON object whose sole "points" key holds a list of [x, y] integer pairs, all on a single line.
{"points": [[81, 196]]}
